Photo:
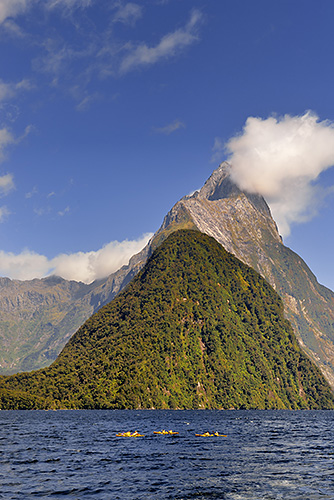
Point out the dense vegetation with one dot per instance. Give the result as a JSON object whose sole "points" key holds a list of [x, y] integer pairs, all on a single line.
{"points": [[196, 328]]}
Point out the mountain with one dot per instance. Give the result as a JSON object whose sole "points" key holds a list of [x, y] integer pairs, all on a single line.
{"points": [[243, 224], [240, 221], [39, 316], [196, 328]]}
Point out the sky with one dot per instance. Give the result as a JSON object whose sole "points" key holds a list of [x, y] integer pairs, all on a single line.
{"points": [[111, 111]]}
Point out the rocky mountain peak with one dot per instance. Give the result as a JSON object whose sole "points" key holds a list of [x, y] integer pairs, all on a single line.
{"points": [[220, 186]]}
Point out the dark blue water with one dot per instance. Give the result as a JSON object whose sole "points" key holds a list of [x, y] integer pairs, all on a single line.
{"points": [[76, 454]]}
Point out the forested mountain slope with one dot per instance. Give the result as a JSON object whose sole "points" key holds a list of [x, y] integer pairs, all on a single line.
{"points": [[243, 224], [196, 328]]}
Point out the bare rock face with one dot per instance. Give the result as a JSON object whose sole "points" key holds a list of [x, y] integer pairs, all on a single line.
{"points": [[38, 318]]}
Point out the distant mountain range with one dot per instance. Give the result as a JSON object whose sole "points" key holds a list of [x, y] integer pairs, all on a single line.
{"points": [[38, 317], [196, 328]]}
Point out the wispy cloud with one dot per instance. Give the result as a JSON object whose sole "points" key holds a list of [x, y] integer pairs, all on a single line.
{"points": [[31, 193], [42, 211], [59, 55], [9, 90], [6, 184], [170, 45], [281, 158], [72, 64], [169, 129], [80, 266], [4, 212], [6, 138], [128, 13], [69, 4], [11, 8], [87, 101], [64, 212]]}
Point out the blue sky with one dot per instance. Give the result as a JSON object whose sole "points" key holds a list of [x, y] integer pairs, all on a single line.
{"points": [[111, 111]]}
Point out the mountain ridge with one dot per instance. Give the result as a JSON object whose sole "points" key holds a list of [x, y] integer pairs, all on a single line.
{"points": [[242, 223], [196, 328]]}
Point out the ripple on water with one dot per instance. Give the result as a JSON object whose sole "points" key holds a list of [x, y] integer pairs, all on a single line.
{"points": [[267, 455]]}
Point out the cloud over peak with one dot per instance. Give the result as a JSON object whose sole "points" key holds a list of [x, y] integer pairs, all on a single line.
{"points": [[281, 158]]}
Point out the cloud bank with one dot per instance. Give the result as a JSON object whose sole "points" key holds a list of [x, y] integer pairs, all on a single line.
{"points": [[281, 158], [80, 266]]}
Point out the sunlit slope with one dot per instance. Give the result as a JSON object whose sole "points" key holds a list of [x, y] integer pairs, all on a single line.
{"points": [[196, 328], [37, 317], [243, 224]]}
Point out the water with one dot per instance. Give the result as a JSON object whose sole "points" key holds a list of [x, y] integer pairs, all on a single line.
{"points": [[75, 454]]}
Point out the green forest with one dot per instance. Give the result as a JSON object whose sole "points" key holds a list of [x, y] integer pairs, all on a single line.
{"points": [[196, 328]]}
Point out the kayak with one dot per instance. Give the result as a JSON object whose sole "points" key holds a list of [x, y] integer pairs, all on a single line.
{"points": [[170, 433], [129, 434], [207, 434]]}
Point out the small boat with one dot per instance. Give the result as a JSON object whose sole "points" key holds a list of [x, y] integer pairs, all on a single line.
{"points": [[165, 433], [129, 434]]}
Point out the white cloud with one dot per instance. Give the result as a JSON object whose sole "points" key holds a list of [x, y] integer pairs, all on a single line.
{"points": [[6, 184], [80, 266], [11, 8], [4, 212], [42, 211], [69, 4], [26, 265], [128, 13], [6, 91], [6, 138], [281, 158], [64, 212], [87, 101], [168, 129], [32, 193], [169, 45]]}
